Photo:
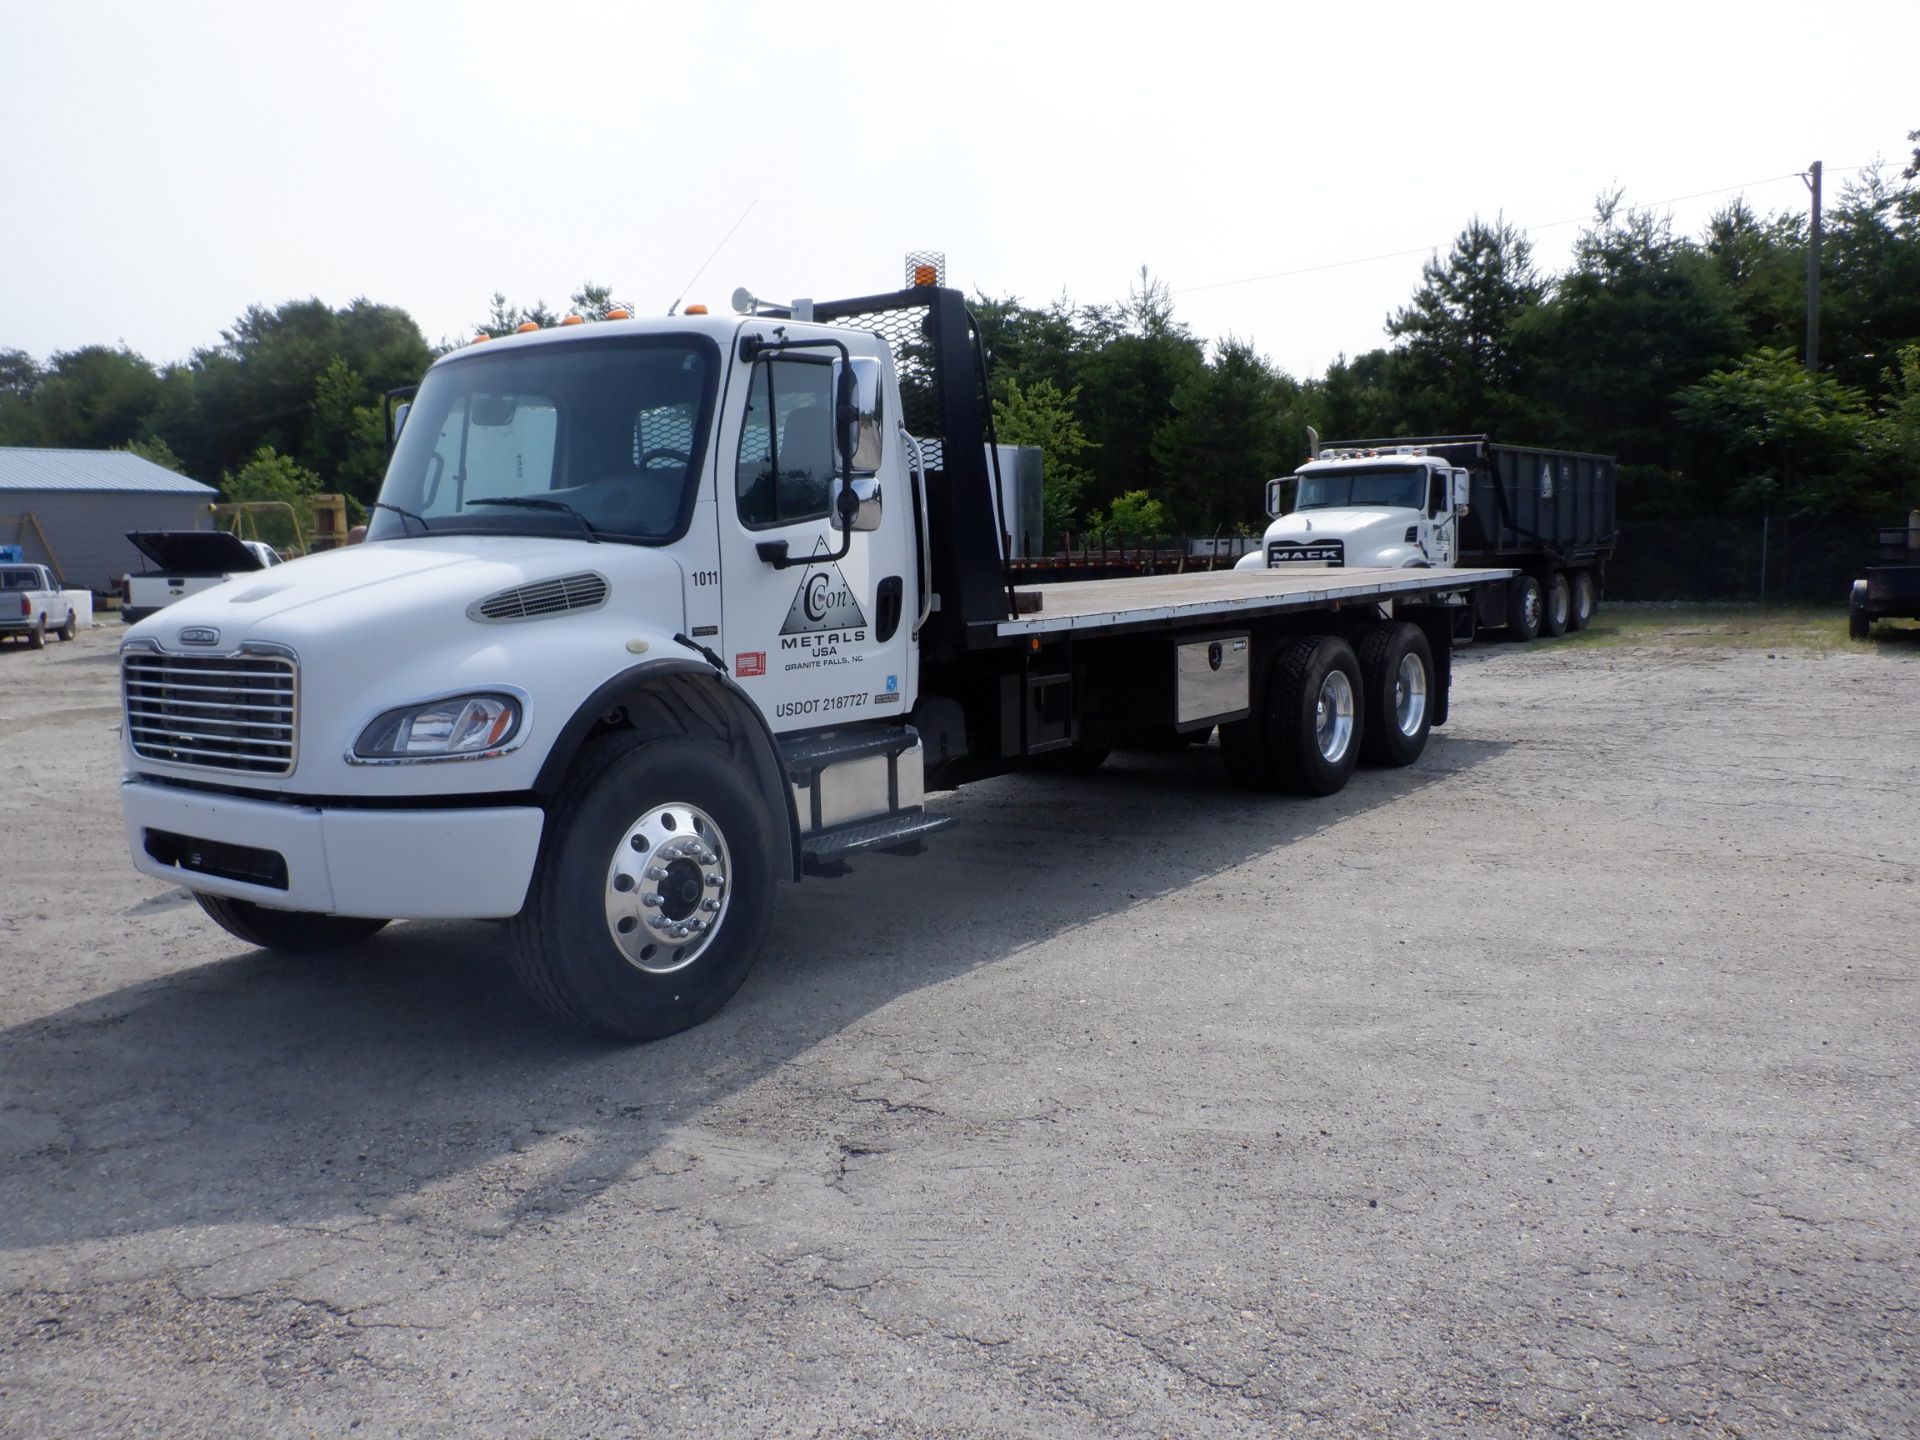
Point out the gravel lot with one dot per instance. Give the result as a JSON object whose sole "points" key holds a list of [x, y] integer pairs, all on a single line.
{"points": [[1563, 1084]]}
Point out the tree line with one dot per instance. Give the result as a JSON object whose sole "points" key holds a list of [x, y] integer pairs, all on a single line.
{"points": [[1679, 354]]}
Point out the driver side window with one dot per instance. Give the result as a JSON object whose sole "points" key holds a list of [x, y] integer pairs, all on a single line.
{"points": [[785, 467]]}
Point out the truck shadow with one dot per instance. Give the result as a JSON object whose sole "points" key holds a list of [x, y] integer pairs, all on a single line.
{"points": [[255, 1089]]}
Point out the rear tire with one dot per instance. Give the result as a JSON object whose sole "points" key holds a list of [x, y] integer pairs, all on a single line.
{"points": [[287, 932], [1524, 608], [72, 627], [37, 637], [1559, 605], [1581, 614], [599, 943], [1859, 622], [1396, 664], [1305, 732]]}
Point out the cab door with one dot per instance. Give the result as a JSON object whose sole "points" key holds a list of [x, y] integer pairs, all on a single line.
{"points": [[816, 641]]}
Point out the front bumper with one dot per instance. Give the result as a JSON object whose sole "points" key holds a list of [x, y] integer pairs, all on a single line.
{"points": [[384, 864]]}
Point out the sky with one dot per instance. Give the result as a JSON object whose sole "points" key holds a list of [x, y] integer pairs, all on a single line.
{"points": [[166, 165]]}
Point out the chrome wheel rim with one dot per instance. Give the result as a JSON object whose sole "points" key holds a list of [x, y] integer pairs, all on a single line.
{"points": [[1533, 607], [1560, 602], [668, 887], [1333, 715], [1410, 695]]}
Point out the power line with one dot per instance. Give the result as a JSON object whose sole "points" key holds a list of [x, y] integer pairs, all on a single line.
{"points": [[1524, 229]]}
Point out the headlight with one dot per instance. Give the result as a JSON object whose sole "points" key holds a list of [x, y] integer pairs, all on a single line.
{"points": [[441, 729]]}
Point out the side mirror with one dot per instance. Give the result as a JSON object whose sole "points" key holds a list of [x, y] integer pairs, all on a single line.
{"points": [[859, 505], [1277, 495], [858, 421], [1462, 483], [400, 412]]}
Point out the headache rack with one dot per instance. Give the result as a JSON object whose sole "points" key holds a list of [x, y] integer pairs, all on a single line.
{"points": [[238, 713]]}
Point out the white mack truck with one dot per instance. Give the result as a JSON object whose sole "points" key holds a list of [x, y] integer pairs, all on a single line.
{"points": [[1452, 501], [656, 613]]}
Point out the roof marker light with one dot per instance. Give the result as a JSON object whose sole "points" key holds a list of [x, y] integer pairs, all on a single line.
{"points": [[524, 326], [694, 310], [574, 320], [619, 312], [925, 275], [480, 339]]}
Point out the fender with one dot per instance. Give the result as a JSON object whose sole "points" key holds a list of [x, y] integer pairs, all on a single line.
{"points": [[631, 684]]}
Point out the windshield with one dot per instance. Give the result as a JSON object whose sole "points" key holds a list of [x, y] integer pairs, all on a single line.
{"points": [[1399, 486], [613, 429]]}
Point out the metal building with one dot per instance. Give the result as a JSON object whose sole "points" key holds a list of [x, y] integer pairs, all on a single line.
{"points": [[72, 509]]}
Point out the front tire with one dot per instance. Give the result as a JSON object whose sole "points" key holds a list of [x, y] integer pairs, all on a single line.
{"points": [[286, 932], [1305, 731], [1525, 608], [1396, 664], [653, 891]]}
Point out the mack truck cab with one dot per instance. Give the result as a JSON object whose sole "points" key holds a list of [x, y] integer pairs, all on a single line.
{"points": [[1399, 511]]}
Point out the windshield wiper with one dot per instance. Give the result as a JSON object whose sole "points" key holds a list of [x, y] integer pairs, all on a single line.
{"points": [[403, 514], [540, 502]]}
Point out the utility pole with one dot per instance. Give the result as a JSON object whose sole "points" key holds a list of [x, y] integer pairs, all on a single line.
{"points": [[1813, 271]]}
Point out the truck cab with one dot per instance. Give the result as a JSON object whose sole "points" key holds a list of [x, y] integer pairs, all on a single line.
{"points": [[1397, 510]]}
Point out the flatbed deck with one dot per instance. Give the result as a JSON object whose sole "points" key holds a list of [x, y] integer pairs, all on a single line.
{"points": [[1133, 601]]}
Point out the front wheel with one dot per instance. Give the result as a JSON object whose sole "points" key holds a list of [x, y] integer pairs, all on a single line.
{"points": [[1396, 664], [653, 891], [286, 932]]}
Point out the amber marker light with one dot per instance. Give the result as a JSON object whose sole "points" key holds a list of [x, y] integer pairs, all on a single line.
{"points": [[574, 320], [619, 313], [696, 310], [524, 326], [925, 275]]}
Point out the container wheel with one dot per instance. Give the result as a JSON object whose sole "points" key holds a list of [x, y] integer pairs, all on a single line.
{"points": [[653, 890], [1306, 727], [72, 627], [1525, 608], [1581, 614], [1396, 664], [1559, 605], [286, 932]]}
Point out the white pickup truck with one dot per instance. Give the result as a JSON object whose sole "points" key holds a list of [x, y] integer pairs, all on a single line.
{"points": [[655, 613], [186, 562], [31, 604]]}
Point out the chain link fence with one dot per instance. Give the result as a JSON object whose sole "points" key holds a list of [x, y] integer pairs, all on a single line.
{"points": [[1798, 561]]}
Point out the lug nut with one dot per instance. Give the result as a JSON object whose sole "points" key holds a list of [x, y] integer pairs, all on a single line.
{"points": [[712, 907], [656, 872], [651, 899]]}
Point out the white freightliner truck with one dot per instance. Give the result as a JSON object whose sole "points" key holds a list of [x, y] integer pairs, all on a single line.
{"points": [[1454, 501], [655, 613]]}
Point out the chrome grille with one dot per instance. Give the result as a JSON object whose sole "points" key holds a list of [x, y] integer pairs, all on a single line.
{"points": [[222, 712], [548, 597]]}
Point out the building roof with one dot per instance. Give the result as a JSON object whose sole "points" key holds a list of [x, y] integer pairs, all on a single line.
{"points": [[31, 469]]}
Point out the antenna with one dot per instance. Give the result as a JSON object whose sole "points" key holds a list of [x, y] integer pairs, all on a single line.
{"points": [[695, 277]]}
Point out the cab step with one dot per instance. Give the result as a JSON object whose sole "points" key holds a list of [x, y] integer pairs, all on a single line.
{"points": [[889, 833]]}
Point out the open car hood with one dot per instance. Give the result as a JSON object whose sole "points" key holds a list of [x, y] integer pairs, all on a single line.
{"points": [[194, 552]]}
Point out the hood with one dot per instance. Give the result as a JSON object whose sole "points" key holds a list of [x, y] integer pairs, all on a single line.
{"points": [[194, 552], [392, 582]]}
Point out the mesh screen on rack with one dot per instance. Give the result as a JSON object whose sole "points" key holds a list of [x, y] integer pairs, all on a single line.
{"points": [[935, 260]]}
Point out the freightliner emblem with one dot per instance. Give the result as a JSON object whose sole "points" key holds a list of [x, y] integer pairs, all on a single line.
{"points": [[199, 635]]}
